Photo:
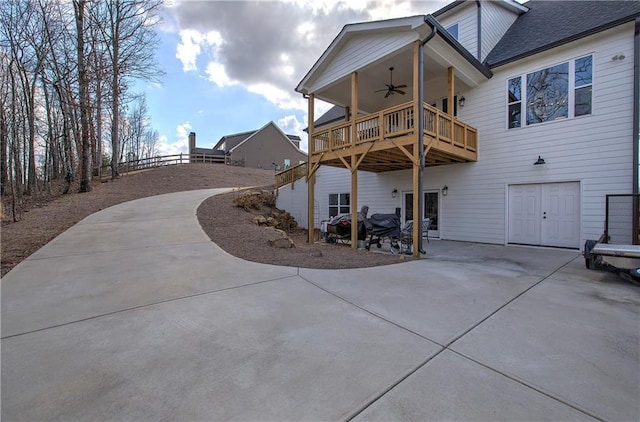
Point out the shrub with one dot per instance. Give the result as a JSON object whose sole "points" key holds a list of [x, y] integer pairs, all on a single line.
{"points": [[255, 200]]}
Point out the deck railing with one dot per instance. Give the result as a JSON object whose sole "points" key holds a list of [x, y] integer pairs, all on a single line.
{"points": [[442, 126], [290, 175], [395, 122]]}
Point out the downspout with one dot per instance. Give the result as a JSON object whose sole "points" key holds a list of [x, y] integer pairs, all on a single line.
{"points": [[421, 130], [636, 103], [636, 124], [479, 35]]}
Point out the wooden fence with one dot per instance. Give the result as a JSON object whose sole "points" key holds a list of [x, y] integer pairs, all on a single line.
{"points": [[167, 160]]}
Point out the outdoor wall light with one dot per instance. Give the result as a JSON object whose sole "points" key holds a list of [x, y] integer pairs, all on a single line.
{"points": [[461, 101], [394, 193], [617, 57], [445, 190], [539, 161]]}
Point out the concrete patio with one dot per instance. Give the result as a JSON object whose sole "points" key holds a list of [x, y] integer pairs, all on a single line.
{"points": [[134, 314]]}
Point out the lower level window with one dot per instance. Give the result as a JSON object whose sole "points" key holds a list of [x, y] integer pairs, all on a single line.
{"points": [[339, 204]]}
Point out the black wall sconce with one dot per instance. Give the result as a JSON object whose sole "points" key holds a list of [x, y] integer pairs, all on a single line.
{"points": [[461, 101], [539, 161], [394, 193], [445, 190]]}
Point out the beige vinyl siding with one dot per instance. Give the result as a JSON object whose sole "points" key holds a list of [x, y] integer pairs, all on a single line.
{"points": [[495, 22], [359, 51], [265, 147], [467, 19]]}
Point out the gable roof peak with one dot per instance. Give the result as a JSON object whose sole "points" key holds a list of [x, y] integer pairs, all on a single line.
{"points": [[256, 132]]}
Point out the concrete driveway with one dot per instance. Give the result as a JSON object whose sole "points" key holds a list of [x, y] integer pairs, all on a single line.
{"points": [[134, 314]]}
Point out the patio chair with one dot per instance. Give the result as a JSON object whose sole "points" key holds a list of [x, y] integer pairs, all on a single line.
{"points": [[406, 235]]}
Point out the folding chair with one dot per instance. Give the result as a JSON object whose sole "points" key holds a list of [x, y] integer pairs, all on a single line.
{"points": [[426, 223]]}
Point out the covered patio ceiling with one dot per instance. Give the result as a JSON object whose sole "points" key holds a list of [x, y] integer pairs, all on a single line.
{"points": [[375, 77], [330, 78]]}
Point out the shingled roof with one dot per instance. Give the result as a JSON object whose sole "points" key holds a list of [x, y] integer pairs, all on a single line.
{"points": [[549, 24], [237, 138], [335, 113]]}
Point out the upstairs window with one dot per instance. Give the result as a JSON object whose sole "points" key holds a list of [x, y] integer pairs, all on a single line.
{"points": [[514, 102], [453, 30], [558, 92], [548, 94], [583, 84]]}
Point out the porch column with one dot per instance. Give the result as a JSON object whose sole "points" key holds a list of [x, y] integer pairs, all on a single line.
{"points": [[311, 177], [354, 169], [450, 91], [417, 112]]}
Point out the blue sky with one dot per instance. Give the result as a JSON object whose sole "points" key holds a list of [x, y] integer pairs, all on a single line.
{"points": [[232, 66]]}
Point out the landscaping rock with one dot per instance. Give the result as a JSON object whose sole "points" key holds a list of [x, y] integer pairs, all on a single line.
{"points": [[282, 243], [314, 252]]}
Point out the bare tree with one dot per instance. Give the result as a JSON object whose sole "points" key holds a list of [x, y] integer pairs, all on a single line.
{"points": [[85, 113], [65, 68], [127, 31]]}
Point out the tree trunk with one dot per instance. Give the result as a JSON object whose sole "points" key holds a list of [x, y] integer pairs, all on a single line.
{"points": [[85, 141], [32, 175], [115, 109], [4, 162]]}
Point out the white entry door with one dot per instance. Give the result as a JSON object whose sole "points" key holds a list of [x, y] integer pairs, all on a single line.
{"points": [[545, 214]]}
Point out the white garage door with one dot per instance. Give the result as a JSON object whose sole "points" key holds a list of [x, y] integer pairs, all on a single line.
{"points": [[546, 214]]}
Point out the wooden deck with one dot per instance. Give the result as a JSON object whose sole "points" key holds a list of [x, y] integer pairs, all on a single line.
{"points": [[385, 141]]}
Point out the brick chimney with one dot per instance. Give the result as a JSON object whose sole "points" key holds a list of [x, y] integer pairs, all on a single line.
{"points": [[192, 142]]}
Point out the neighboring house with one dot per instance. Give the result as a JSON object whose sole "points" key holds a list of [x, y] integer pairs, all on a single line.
{"points": [[203, 155], [544, 120], [267, 148]]}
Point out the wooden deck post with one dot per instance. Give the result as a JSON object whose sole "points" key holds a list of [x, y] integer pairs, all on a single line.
{"points": [[451, 105], [354, 168], [311, 177]]}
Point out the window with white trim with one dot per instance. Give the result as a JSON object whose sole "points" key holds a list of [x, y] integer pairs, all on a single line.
{"points": [[562, 91], [339, 204], [583, 85]]}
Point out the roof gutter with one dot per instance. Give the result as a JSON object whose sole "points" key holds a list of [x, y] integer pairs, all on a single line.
{"points": [[482, 68], [434, 31], [479, 30], [636, 105]]}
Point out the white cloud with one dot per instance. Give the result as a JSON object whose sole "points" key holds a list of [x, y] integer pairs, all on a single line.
{"points": [[278, 97], [217, 74], [292, 126], [165, 148], [183, 132], [191, 44], [188, 49], [267, 47], [180, 144]]}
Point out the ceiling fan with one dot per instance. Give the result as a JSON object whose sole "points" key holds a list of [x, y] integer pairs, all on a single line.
{"points": [[391, 88]]}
